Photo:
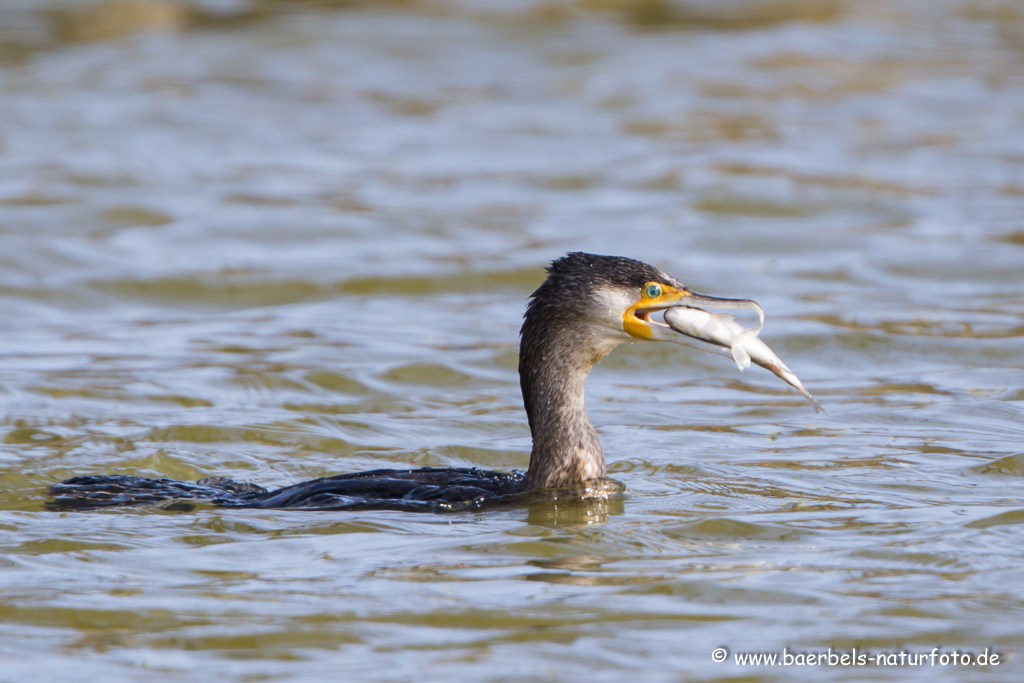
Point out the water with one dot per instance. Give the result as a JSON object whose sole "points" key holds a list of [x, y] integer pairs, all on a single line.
{"points": [[274, 242]]}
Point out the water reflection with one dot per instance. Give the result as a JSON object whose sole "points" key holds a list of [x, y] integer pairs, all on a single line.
{"points": [[568, 509]]}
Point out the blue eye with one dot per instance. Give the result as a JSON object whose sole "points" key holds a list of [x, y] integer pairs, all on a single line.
{"points": [[652, 291]]}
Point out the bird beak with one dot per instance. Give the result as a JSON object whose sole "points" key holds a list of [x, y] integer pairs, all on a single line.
{"points": [[638, 323]]}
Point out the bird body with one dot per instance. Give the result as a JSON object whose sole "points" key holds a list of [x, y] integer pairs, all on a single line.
{"points": [[586, 307]]}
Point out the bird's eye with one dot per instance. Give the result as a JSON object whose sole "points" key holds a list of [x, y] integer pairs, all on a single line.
{"points": [[652, 291]]}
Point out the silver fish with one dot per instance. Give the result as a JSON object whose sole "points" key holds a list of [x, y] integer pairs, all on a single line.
{"points": [[727, 336]]}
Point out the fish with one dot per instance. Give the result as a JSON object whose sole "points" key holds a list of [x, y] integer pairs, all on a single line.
{"points": [[724, 333]]}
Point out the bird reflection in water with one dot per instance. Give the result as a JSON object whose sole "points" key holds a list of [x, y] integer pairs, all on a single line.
{"points": [[570, 507]]}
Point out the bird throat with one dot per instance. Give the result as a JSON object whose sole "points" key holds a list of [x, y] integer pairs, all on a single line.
{"points": [[554, 363]]}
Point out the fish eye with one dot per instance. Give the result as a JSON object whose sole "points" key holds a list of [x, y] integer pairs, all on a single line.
{"points": [[652, 291]]}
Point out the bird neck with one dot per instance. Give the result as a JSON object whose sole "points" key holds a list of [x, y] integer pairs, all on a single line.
{"points": [[554, 361]]}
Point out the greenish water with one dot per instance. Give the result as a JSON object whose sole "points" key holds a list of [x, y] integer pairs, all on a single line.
{"points": [[274, 241]]}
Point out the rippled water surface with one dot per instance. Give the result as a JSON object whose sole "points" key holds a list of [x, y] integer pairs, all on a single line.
{"points": [[274, 241]]}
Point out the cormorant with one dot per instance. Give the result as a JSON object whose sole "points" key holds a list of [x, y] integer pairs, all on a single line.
{"points": [[586, 307]]}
